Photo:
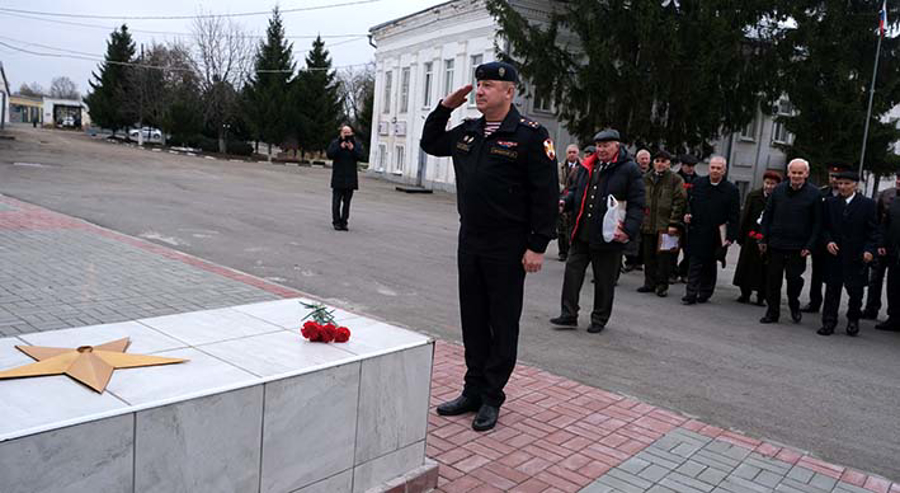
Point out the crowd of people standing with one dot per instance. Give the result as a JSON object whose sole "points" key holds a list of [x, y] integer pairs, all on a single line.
{"points": [[851, 241]]}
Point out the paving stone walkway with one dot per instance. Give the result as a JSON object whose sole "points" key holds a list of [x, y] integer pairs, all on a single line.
{"points": [[554, 434]]}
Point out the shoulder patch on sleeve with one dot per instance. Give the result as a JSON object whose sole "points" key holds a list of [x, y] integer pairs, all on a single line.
{"points": [[549, 149]]}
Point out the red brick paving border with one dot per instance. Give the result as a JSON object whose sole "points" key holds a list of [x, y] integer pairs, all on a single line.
{"points": [[554, 434]]}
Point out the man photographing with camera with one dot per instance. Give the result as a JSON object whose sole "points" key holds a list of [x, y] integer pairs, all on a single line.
{"points": [[344, 152]]}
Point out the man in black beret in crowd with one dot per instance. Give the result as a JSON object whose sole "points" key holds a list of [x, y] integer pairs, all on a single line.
{"points": [[507, 196], [852, 238], [609, 172]]}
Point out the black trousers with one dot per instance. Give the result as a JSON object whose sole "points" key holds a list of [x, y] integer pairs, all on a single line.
{"points": [[893, 290], [563, 233], [605, 264], [850, 277], [657, 265], [877, 270], [819, 268], [490, 305], [784, 264], [702, 275], [340, 197]]}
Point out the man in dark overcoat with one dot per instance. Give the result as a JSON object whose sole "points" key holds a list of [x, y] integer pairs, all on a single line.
{"points": [[345, 152], [715, 202]]}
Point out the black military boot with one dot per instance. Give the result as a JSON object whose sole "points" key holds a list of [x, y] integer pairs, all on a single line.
{"points": [[461, 405], [486, 418]]}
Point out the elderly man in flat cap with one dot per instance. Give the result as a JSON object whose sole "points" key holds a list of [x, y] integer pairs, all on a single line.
{"points": [[507, 195], [666, 202], [610, 172], [852, 237]]}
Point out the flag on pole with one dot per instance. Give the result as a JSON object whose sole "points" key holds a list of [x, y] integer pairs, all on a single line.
{"points": [[882, 18]]}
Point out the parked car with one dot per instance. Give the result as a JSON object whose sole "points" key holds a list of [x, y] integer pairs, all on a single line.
{"points": [[68, 121], [150, 134]]}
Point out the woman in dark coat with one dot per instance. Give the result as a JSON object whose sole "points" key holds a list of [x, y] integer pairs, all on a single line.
{"points": [[750, 274]]}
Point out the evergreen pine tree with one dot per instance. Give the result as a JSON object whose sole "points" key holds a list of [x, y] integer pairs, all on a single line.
{"points": [[832, 54], [660, 73], [266, 97], [112, 90], [318, 102]]}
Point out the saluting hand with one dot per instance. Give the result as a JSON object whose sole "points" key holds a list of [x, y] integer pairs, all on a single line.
{"points": [[457, 98]]}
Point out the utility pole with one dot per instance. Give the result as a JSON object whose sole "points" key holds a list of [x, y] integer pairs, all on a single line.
{"points": [[141, 105], [862, 156]]}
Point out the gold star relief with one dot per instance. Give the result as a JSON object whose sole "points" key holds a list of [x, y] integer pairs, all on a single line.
{"points": [[90, 365]]}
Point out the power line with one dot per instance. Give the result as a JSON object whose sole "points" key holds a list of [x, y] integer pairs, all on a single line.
{"points": [[173, 33], [182, 17], [95, 58]]}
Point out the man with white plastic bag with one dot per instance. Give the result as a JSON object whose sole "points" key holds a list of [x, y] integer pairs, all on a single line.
{"points": [[608, 184]]}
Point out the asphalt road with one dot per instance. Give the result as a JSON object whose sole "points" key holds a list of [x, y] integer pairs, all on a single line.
{"points": [[836, 397]]}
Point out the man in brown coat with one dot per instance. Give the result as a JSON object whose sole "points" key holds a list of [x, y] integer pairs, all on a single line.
{"points": [[566, 176], [666, 198]]}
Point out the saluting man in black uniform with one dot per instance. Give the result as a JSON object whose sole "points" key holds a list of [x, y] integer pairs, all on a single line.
{"points": [[507, 193]]}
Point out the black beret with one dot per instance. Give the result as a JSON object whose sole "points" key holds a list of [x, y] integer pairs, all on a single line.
{"points": [[688, 160], [662, 154], [847, 175], [496, 71], [592, 149], [607, 135]]}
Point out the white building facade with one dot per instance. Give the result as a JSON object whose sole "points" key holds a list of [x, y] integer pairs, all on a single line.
{"points": [[424, 56]]}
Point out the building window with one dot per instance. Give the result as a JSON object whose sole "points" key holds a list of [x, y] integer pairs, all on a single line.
{"points": [[476, 60], [780, 134], [428, 78], [749, 130], [388, 82], [382, 156], [404, 90], [399, 159], [448, 76], [543, 101]]}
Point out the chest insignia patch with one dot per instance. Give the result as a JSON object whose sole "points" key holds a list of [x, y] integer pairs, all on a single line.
{"points": [[507, 144], [504, 152]]}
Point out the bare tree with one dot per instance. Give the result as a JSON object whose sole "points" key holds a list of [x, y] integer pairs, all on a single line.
{"points": [[356, 82], [223, 56], [34, 90], [64, 88]]}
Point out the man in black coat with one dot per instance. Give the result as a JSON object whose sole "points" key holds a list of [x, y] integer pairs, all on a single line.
{"points": [[790, 228], [890, 255], [714, 202], [850, 233], [819, 255], [878, 268], [611, 172], [687, 172], [507, 193], [344, 152]]}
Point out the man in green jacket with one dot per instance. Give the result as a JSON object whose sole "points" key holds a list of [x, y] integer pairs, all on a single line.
{"points": [[666, 199]]}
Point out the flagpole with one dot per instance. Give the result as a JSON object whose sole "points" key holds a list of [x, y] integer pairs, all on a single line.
{"points": [[862, 157]]}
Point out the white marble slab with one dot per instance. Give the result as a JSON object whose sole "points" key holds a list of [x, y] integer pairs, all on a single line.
{"points": [[10, 357], [387, 467], [206, 444], [369, 337], [310, 428], [393, 402], [95, 457], [202, 373], [289, 313], [277, 353], [28, 405], [209, 326], [339, 483], [144, 340]]}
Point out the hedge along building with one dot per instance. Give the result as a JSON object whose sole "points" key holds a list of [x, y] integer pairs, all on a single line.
{"points": [[424, 56]]}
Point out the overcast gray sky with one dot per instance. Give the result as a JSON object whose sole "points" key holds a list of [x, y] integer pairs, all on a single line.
{"points": [[51, 34]]}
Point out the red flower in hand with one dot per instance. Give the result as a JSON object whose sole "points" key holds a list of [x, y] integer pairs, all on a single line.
{"points": [[342, 334]]}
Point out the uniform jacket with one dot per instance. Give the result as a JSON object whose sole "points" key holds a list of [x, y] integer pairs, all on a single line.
{"points": [[622, 179], [343, 164], [710, 207], [666, 202], [793, 218], [507, 187], [853, 227]]}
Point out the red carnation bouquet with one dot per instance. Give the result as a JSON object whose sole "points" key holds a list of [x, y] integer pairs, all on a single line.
{"points": [[321, 327]]}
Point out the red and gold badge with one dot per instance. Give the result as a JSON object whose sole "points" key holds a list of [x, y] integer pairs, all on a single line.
{"points": [[550, 150]]}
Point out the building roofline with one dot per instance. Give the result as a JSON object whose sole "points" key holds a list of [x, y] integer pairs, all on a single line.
{"points": [[408, 16]]}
